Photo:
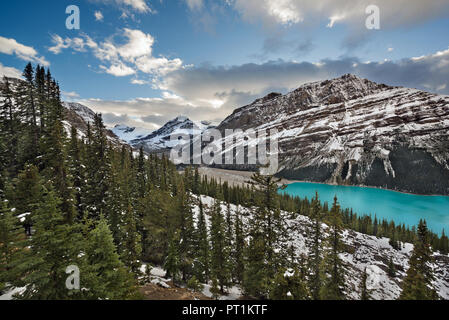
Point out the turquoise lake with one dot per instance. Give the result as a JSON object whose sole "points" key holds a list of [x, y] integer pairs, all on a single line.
{"points": [[396, 206]]}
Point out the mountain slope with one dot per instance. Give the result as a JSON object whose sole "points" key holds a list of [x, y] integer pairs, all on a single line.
{"points": [[160, 140], [79, 116], [129, 134], [360, 252], [353, 131]]}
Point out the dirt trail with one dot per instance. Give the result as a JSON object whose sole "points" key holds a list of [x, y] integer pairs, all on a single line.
{"points": [[154, 292]]}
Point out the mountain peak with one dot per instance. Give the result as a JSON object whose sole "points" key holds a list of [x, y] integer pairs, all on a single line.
{"points": [[181, 119]]}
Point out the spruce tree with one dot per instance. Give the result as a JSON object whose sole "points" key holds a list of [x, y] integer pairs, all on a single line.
{"points": [[203, 248], [107, 278], [26, 194], [265, 247], [288, 284], [316, 276], [27, 105], [335, 281], [95, 194], [364, 292], [417, 285], [11, 243], [187, 232], [131, 243], [172, 264], [219, 250], [53, 247], [9, 129], [54, 157], [391, 268], [240, 245], [75, 169]]}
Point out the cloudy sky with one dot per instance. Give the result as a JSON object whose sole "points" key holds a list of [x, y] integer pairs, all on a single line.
{"points": [[144, 62]]}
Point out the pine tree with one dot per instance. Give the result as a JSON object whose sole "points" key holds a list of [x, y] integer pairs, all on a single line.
{"points": [[391, 268], [335, 282], [39, 81], [9, 129], [53, 247], [289, 285], [215, 290], [444, 244], [266, 243], [75, 169], [417, 285], [364, 292], [187, 232], [219, 250], [106, 276], [54, 157], [97, 163], [239, 268], [316, 277], [172, 265], [255, 281], [131, 243], [26, 194], [11, 243], [194, 285], [27, 105], [203, 248]]}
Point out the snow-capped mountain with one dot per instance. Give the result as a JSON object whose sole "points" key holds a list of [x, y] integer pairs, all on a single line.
{"points": [[129, 134], [79, 116], [160, 140], [84, 112], [354, 131]]}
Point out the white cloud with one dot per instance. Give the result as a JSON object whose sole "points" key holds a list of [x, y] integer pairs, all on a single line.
{"points": [[212, 93], [335, 19], [134, 55], [226, 88], [72, 95], [9, 72], [11, 46], [77, 44], [139, 82], [286, 12], [194, 4], [98, 16], [119, 70], [139, 44], [140, 6], [158, 66]]}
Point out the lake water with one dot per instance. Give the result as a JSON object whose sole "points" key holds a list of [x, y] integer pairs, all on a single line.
{"points": [[396, 206]]}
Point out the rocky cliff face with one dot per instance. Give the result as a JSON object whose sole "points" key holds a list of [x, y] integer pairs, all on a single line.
{"points": [[79, 116], [353, 131]]}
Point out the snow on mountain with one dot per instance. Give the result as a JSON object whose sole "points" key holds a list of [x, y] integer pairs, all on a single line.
{"points": [[84, 112], [80, 116], [360, 252], [354, 131], [129, 134], [160, 140]]}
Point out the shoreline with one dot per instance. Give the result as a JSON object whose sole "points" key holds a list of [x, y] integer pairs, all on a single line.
{"points": [[288, 182], [241, 177]]}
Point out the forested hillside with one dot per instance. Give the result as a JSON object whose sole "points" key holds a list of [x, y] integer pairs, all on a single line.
{"points": [[81, 200]]}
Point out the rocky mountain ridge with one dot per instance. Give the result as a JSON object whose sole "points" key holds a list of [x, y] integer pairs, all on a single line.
{"points": [[356, 132]]}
